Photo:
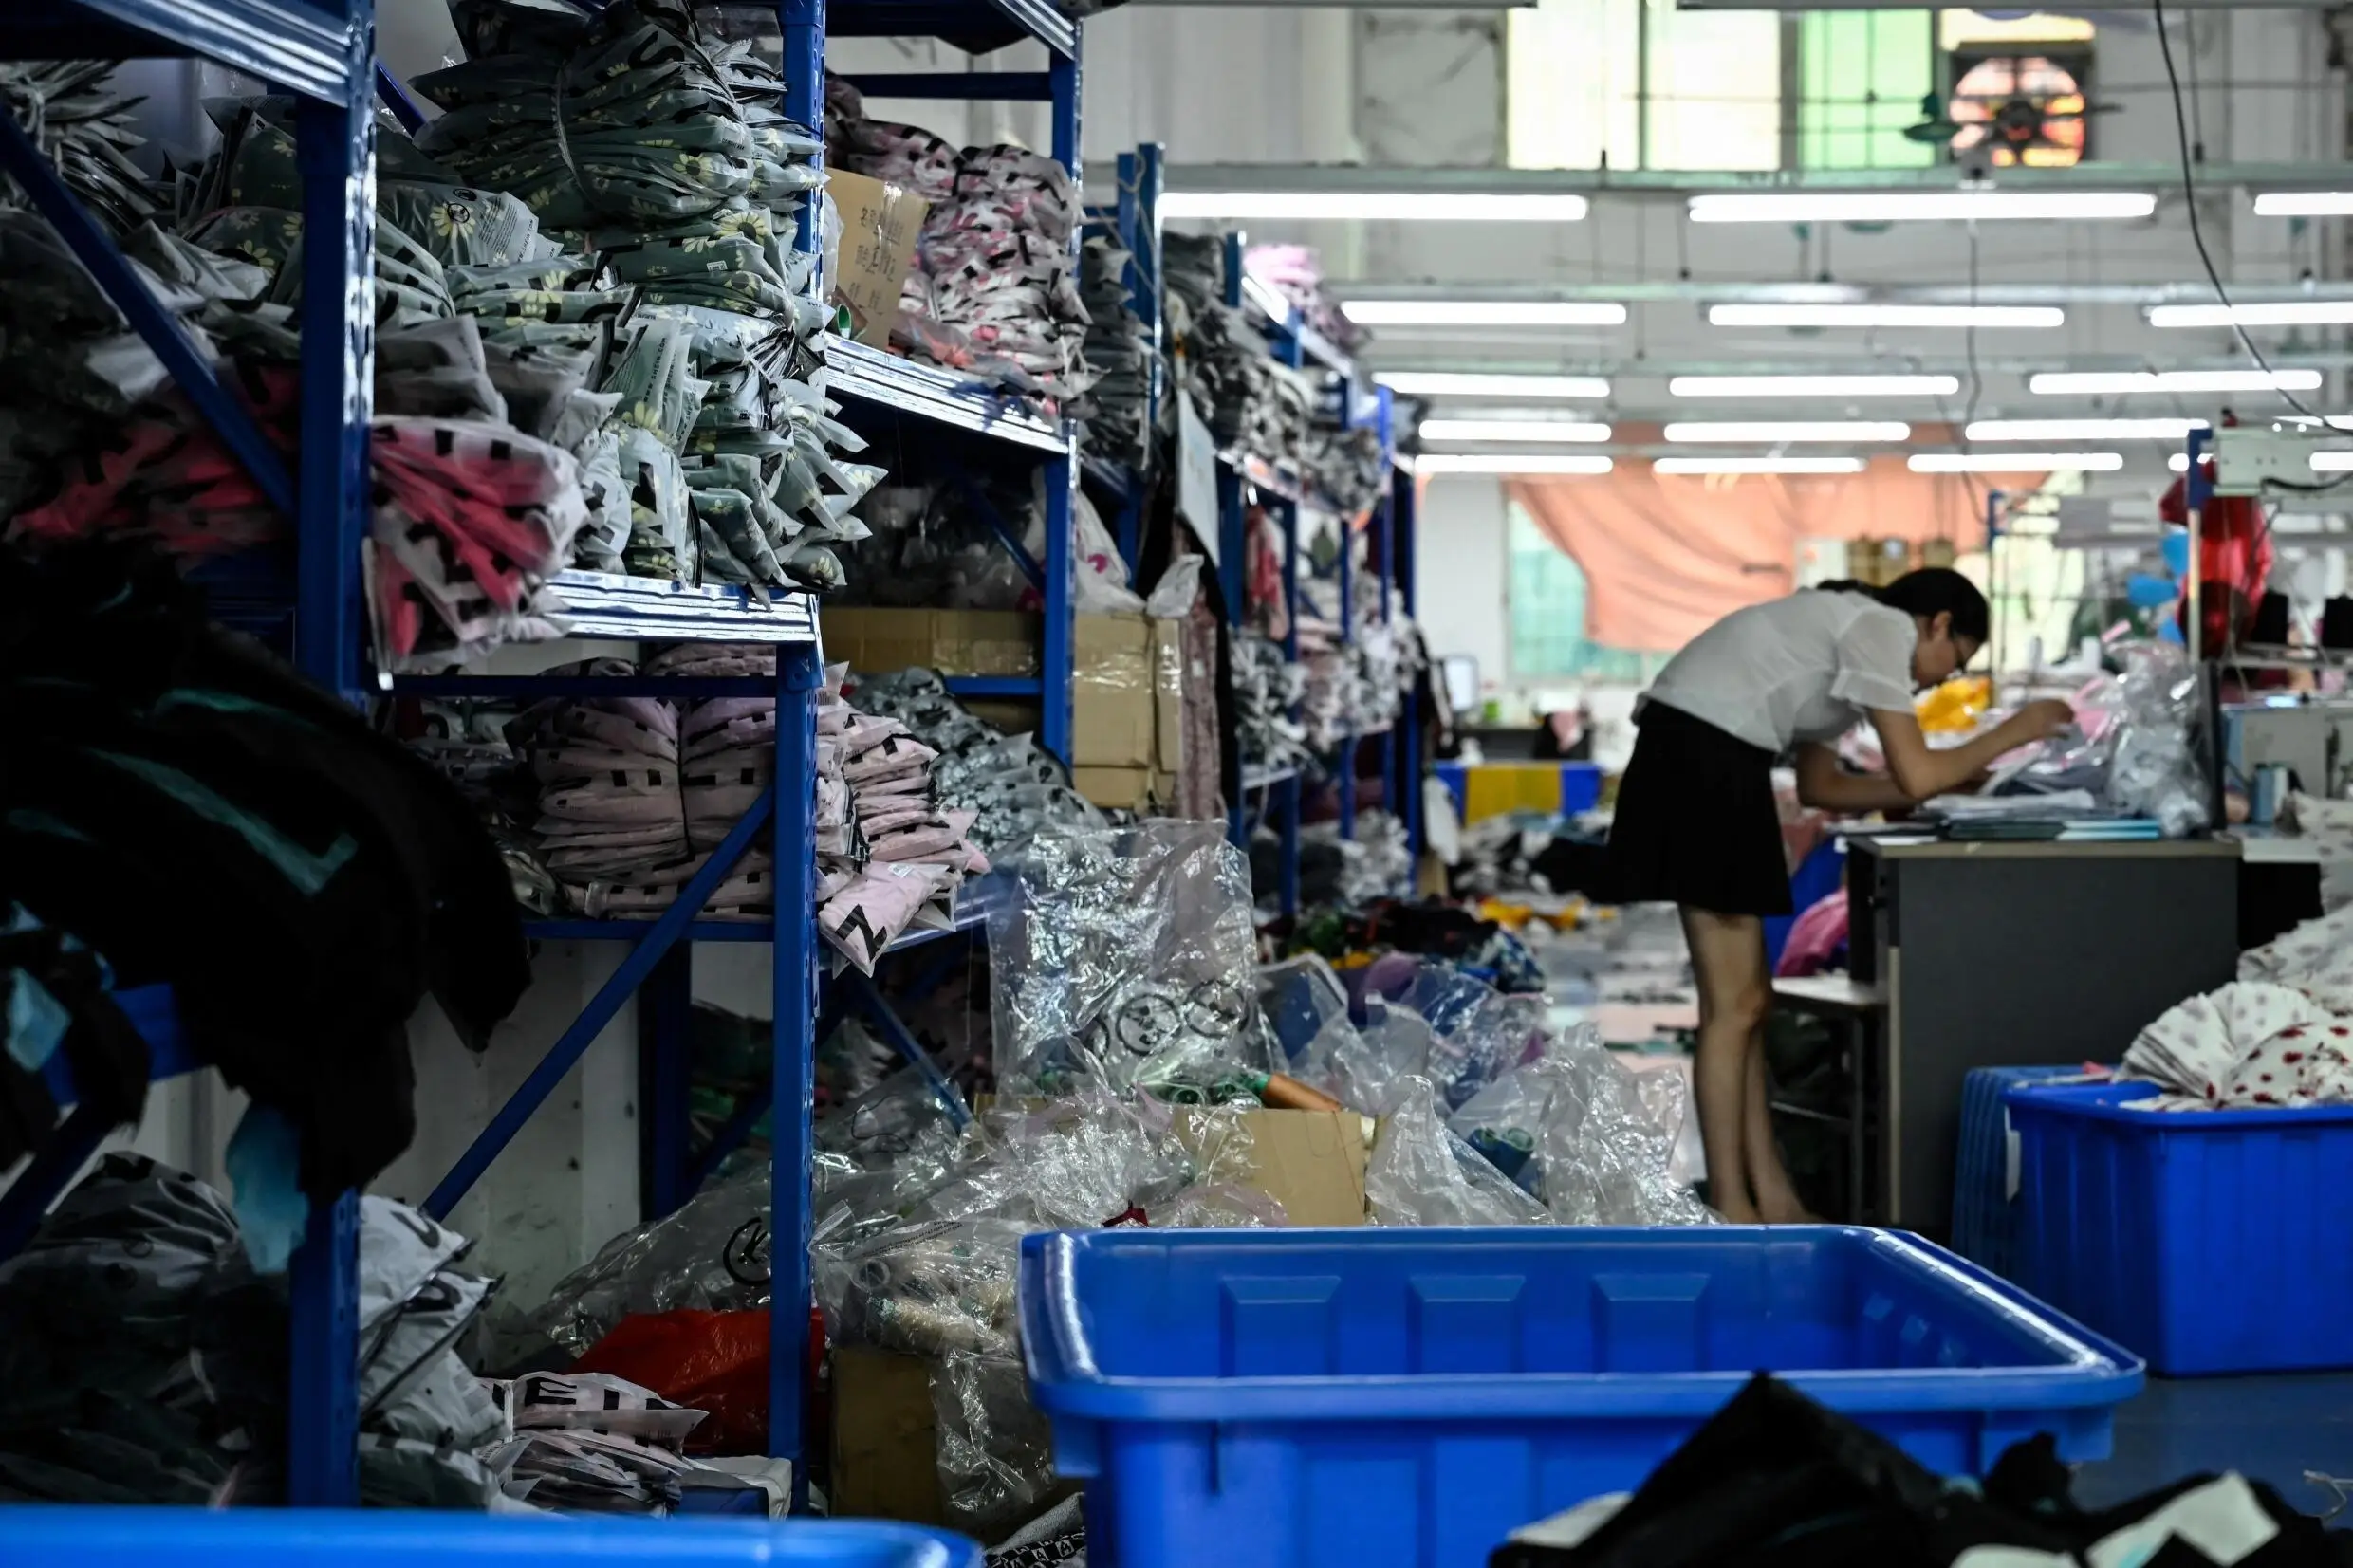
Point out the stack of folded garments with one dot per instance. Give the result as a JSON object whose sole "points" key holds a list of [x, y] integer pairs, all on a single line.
{"points": [[1346, 466], [1295, 272], [726, 756], [1010, 788], [664, 152], [1118, 354], [1250, 401], [899, 855], [997, 271], [611, 825], [1266, 686], [589, 1441]]}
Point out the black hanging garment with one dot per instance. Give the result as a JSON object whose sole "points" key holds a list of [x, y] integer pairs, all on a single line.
{"points": [[190, 808]]}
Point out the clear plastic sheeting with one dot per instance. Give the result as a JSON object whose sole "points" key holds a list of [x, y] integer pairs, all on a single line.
{"points": [[996, 1450], [700, 1256], [1587, 1136], [1421, 1174], [2156, 771], [1126, 959]]}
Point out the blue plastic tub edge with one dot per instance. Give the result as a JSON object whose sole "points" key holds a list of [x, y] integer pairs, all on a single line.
{"points": [[2090, 1371], [47, 1535], [2119, 1101]]}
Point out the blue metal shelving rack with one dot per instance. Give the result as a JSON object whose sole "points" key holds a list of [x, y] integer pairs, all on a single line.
{"points": [[323, 52], [1261, 794], [885, 398]]}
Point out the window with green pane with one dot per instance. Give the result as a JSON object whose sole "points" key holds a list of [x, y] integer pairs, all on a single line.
{"points": [[1548, 614], [1862, 76]]}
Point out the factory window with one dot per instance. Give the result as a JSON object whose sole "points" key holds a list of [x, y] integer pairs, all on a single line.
{"points": [[1863, 77], [1639, 84], [1547, 601]]}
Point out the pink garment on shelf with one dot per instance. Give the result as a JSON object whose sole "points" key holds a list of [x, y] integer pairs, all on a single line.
{"points": [[1814, 936]]}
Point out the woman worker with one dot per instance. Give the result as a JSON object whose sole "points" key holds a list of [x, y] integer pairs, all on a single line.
{"points": [[1696, 825]]}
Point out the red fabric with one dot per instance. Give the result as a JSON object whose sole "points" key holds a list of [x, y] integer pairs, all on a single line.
{"points": [[2234, 558], [713, 1362], [1665, 557]]}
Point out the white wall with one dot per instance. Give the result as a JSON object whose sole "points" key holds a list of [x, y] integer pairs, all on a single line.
{"points": [[1461, 554]]}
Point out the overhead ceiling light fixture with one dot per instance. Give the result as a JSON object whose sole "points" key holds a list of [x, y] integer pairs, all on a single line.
{"points": [[1484, 312], [2061, 382], [2016, 462], [1480, 383], [2330, 462], [1920, 206], [1758, 465], [1509, 462], [2082, 429], [1374, 205], [1791, 430], [2304, 204], [1813, 386], [1511, 429], [1990, 315], [2286, 313]]}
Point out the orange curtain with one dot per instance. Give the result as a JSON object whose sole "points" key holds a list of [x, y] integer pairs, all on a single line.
{"points": [[1666, 556]]}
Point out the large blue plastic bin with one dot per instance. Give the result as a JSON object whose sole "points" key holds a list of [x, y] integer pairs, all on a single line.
{"points": [[1369, 1398], [1986, 1210], [37, 1537], [2208, 1241]]}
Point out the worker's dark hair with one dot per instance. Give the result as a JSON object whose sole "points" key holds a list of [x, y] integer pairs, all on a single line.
{"points": [[1930, 591]]}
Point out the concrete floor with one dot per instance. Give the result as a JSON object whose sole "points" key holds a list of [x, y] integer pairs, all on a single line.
{"points": [[2266, 1428]]}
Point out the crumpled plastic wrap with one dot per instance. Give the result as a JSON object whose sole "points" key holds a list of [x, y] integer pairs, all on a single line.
{"points": [[996, 1450], [1421, 1174], [2156, 771], [702, 1256], [1588, 1136], [1126, 958]]}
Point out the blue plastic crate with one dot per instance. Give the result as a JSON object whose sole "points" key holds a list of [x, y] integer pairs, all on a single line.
{"points": [[2208, 1241], [44, 1537], [1986, 1211], [1374, 1397]]}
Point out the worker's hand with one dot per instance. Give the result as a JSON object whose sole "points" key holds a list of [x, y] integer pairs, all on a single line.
{"points": [[2045, 717]]}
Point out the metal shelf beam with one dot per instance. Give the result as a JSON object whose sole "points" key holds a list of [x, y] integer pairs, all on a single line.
{"points": [[306, 48]]}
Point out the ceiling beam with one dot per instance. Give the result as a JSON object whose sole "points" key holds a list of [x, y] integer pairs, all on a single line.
{"points": [[2164, 178]]}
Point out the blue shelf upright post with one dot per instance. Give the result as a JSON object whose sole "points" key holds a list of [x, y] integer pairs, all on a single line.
{"points": [[1345, 779], [793, 1050], [665, 1082], [1403, 496], [1288, 790]]}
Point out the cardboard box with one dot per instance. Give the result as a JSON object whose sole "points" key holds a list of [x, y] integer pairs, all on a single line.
{"points": [[954, 642], [1168, 694], [1311, 1162], [1119, 788], [886, 1438], [1113, 723], [877, 247]]}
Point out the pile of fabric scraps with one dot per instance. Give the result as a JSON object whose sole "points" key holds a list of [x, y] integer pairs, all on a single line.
{"points": [[1776, 1478], [1119, 353], [182, 803], [145, 1355], [1345, 465], [663, 153], [1296, 274], [937, 544], [889, 853], [2280, 1035], [1012, 789]]}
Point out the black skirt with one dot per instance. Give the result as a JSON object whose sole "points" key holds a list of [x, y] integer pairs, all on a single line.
{"points": [[1696, 824]]}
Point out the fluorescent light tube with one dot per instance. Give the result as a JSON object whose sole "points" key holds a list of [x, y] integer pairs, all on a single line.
{"points": [[1991, 316], [1813, 386], [2077, 381], [2016, 462], [2332, 462], [2286, 313], [1511, 429], [1919, 206], [1377, 206], [1466, 383], [1484, 312], [2178, 462], [2304, 204], [1509, 462], [2082, 429], [1758, 465], [1793, 430]]}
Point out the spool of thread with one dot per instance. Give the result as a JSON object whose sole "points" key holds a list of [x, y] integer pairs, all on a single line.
{"points": [[1281, 1091]]}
